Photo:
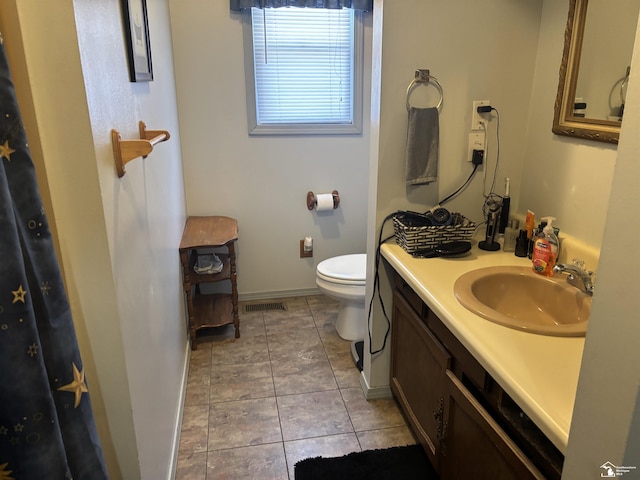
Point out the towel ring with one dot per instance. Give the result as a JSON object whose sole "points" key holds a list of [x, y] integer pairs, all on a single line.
{"points": [[423, 77]]}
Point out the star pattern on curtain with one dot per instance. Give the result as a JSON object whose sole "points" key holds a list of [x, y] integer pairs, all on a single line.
{"points": [[4, 473], [41, 435], [6, 150], [77, 386], [19, 294]]}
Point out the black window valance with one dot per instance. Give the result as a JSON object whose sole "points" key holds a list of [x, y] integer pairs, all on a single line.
{"points": [[366, 5]]}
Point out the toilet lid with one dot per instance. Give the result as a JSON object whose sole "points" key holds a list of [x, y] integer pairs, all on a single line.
{"points": [[345, 268]]}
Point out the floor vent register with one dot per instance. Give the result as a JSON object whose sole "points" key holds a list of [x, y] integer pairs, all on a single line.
{"points": [[265, 307]]}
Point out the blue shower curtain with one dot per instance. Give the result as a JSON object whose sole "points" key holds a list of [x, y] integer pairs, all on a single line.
{"points": [[46, 423]]}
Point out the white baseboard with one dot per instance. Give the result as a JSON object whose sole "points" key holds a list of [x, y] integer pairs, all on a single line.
{"points": [[374, 393], [178, 423]]}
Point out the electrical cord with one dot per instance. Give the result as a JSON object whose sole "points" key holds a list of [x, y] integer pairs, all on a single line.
{"points": [[376, 276], [462, 187], [483, 124], [492, 198], [489, 199], [495, 169], [376, 288]]}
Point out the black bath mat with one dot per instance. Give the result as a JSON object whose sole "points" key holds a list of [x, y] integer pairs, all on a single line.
{"points": [[406, 463]]}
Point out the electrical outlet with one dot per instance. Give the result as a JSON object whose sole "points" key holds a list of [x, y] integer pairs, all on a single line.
{"points": [[303, 253], [475, 116], [476, 142]]}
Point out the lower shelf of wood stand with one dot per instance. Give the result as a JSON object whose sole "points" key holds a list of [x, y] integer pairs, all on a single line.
{"points": [[212, 310]]}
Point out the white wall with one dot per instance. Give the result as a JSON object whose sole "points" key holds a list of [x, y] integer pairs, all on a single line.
{"points": [[261, 181], [605, 425], [118, 237], [495, 62], [564, 177]]}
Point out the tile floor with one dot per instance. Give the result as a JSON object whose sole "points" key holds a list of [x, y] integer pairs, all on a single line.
{"points": [[286, 390]]}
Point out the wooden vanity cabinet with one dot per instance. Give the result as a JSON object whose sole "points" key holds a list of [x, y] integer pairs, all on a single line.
{"points": [[467, 424], [475, 446], [418, 366]]}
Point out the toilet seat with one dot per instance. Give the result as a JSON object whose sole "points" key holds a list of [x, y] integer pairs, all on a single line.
{"points": [[344, 269]]}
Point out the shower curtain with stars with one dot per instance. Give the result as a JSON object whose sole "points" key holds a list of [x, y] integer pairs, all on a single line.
{"points": [[46, 422]]}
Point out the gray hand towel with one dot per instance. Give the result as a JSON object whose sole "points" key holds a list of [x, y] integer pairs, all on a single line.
{"points": [[422, 146]]}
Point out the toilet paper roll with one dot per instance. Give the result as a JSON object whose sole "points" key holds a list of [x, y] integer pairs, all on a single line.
{"points": [[324, 202]]}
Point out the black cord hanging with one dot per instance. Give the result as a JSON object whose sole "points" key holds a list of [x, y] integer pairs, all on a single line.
{"points": [[376, 275]]}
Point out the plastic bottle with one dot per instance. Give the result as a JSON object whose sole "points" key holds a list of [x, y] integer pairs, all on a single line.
{"points": [[510, 236], [545, 250]]}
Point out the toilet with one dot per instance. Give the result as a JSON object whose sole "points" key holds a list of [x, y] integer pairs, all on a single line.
{"points": [[344, 278]]}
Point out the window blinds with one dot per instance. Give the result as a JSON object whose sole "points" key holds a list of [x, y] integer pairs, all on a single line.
{"points": [[303, 64]]}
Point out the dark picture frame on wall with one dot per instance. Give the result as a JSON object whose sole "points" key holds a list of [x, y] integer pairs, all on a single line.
{"points": [[137, 35]]}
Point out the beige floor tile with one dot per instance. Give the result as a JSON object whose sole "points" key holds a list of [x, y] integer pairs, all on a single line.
{"points": [[332, 342], [284, 360], [243, 423], [279, 322], [329, 446], [295, 374], [386, 438], [246, 349], [290, 342], [241, 382], [297, 355], [312, 415], [195, 429], [371, 414], [344, 369], [197, 390], [200, 358], [192, 467], [260, 462], [198, 368], [325, 319]]}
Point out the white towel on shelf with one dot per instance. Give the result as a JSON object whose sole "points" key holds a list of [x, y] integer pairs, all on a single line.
{"points": [[423, 134]]}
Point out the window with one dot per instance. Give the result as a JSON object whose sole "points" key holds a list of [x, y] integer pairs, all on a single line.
{"points": [[304, 71]]}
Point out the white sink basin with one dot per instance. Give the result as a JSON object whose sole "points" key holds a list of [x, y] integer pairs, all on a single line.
{"points": [[516, 297]]}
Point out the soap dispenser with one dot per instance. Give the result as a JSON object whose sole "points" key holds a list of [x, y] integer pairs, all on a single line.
{"points": [[545, 249]]}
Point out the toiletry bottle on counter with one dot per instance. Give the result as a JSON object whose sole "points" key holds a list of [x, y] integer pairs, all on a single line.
{"points": [[522, 244], [510, 236], [545, 250]]}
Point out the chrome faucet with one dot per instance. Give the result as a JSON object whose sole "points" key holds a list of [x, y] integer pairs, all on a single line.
{"points": [[576, 272]]}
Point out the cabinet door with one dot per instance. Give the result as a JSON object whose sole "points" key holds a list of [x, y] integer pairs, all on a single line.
{"points": [[418, 365], [474, 445]]}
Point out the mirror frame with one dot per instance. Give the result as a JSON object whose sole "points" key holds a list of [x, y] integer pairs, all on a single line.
{"points": [[564, 122]]}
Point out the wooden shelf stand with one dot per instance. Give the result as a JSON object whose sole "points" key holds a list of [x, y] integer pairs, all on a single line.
{"points": [[214, 309]]}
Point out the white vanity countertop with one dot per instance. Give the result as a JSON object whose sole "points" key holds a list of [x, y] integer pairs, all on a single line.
{"points": [[539, 372]]}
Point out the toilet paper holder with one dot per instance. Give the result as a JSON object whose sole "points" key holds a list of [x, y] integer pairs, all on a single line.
{"points": [[312, 201]]}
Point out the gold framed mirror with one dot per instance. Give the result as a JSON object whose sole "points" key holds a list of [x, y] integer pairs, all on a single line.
{"points": [[594, 69]]}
